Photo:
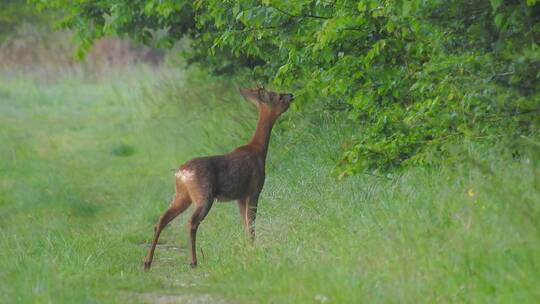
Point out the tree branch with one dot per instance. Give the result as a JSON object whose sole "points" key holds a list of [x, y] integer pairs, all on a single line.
{"points": [[300, 16], [244, 30]]}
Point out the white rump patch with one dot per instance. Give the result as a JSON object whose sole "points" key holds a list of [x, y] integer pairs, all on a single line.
{"points": [[185, 175]]}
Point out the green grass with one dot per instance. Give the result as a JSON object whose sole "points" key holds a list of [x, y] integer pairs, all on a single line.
{"points": [[86, 170]]}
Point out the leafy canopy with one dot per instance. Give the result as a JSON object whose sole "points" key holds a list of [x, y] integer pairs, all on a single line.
{"points": [[413, 75]]}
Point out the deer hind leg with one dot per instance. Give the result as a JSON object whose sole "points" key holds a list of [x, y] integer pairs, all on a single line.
{"points": [[180, 203], [201, 210]]}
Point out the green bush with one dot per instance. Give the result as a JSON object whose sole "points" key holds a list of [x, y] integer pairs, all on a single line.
{"points": [[413, 75]]}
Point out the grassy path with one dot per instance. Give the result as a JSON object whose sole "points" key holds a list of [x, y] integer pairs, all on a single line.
{"points": [[83, 176]]}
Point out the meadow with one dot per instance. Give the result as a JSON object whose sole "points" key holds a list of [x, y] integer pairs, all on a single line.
{"points": [[86, 168]]}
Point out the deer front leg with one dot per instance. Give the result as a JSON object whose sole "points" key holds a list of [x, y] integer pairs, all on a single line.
{"points": [[251, 215], [196, 218], [248, 212], [242, 206]]}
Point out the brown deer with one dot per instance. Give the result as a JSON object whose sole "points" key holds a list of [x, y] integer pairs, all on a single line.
{"points": [[237, 175]]}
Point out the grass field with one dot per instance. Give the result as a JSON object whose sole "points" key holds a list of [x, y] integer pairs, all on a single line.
{"points": [[86, 170]]}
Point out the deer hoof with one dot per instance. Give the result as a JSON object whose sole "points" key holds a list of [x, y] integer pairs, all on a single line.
{"points": [[147, 265], [193, 264]]}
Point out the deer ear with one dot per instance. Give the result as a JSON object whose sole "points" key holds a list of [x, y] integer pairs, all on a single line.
{"points": [[244, 92], [251, 95]]}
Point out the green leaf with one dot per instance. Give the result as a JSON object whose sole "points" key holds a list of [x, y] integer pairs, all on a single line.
{"points": [[495, 4], [499, 20], [406, 8]]}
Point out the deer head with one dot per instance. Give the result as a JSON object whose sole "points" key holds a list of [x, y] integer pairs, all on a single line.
{"points": [[276, 103]]}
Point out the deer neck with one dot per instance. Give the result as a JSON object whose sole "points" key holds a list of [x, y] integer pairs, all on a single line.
{"points": [[260, 140]]}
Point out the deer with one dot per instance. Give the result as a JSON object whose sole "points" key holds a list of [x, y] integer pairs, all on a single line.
{"points": [[238, 175]]}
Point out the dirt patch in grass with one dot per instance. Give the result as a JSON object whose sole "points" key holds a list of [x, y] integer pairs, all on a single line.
{"points": [[175, 298]]}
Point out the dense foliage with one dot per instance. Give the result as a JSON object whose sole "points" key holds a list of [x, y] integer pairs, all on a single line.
{"points": [[13, 13], [414, 75]]}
